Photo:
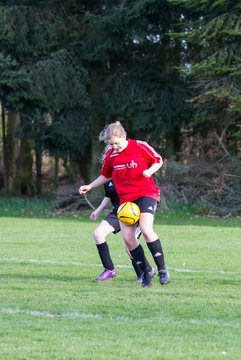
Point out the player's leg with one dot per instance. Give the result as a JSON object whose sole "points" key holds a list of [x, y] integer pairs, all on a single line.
{"points": [[136, 251], [138, 269], [100, 233], [148, 208], [114, 222]]}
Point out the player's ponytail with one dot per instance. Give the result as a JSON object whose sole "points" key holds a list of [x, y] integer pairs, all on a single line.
{"points": [[102, 156]]}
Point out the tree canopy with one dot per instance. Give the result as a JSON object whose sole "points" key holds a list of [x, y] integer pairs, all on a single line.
{"points": [[70, 67]]}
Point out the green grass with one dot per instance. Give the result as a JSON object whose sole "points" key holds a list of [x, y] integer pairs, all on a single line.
{"points": [[26, 207], [52, 308]]}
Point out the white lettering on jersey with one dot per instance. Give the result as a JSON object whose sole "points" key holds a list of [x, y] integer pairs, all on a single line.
{"points": [[131, 165], [119, 167]]}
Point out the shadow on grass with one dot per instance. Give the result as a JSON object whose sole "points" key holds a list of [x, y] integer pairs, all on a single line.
{"points": [[58, 278], [165, 218]]}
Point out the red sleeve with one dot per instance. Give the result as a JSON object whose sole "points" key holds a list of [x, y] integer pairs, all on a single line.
{"points": [[149, 153]]}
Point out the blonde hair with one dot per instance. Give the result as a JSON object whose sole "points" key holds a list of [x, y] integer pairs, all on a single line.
{"points": [[111, 130], [102, 156]]}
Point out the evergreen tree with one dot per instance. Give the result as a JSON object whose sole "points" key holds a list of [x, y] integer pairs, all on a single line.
{"points": [[102, 60], [129, 42], [45, 77], [215, 55]]}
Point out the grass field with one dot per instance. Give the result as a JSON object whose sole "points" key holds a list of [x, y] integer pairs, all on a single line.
{"points": [[52, 308]]}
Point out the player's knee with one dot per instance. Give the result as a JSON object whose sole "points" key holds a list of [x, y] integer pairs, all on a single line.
{"points": [[147, 233], [130, 241], [96, 235]]}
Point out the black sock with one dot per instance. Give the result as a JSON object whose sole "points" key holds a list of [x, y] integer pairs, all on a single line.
{"points": [[157, 253], [137, 268], [105, 258], [140, 258]]}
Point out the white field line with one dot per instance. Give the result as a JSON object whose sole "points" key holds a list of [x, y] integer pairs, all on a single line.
{"points": [[54, 262], [47, 314], [76, 315], [79, 264]]}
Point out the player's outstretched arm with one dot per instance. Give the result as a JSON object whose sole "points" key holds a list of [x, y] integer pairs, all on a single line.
{"points": [[97, 182]]}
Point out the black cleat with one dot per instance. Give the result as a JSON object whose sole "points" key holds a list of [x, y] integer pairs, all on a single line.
{"points": [[164, 277], [146, 279]]}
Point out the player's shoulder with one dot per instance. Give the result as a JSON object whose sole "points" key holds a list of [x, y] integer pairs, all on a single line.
{"points": [[142, 144], [108, 185], [108, 152], [134, 142], [146, 148]]}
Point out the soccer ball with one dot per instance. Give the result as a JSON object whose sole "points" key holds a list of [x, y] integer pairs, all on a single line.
{"points": [[128, 213]]}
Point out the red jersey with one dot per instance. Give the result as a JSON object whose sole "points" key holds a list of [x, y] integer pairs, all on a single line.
{"points": [[126, 168]]}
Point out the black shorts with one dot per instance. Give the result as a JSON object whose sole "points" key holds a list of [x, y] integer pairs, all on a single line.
{"points": [[112, 219], [146, 204]]}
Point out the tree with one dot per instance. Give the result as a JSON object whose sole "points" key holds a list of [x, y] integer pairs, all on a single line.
{"points": [[13, 91], [130, 45], [211, 30], [35, 44], [213, 36], [104, 59]]}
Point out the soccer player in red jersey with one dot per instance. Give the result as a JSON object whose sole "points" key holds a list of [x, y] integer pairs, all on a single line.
{"points": [[131, 164]]}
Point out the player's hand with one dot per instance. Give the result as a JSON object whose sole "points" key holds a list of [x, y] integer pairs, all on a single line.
{"points": [[84, 189], [147, 173], [94, 216]]}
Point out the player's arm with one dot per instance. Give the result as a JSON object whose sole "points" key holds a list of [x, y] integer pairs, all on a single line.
{"points": [[152, 169], [103, 205], [97, 182], [151, 156]]}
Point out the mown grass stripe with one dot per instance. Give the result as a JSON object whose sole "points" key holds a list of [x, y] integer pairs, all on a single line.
{"points": [[76, 315]]}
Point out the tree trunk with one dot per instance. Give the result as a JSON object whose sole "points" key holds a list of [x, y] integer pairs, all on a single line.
{"points": [[23, 184], [5, 159], [56, 172], [11, 142], [38, 159], [98, 119], [173, 143], [96, 146], [9, 124]]}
